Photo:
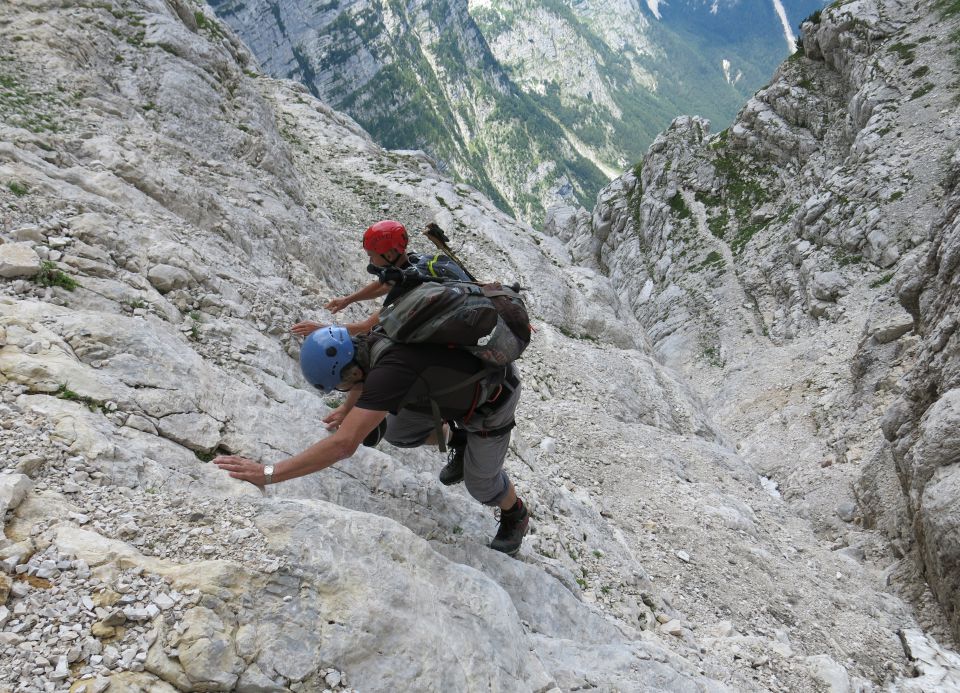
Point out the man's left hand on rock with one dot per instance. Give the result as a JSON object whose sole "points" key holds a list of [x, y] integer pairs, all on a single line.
{"points": [[242, 468]]}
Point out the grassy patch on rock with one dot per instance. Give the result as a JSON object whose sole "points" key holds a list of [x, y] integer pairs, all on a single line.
{"points": [[50, 275]]}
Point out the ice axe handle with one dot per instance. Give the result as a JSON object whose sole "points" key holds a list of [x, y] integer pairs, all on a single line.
{"points": [[435, 234], [439, 239]]}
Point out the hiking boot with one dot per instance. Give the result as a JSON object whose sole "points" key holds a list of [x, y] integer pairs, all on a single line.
{"points": [[513, 526], [452, 472]]}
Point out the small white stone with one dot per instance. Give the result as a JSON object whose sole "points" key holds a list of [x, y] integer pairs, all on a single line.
{"points": [[163, 602], [61, 672]]}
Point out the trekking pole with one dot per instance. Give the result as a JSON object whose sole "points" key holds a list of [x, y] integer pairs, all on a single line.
{"points": [[439, 239]]}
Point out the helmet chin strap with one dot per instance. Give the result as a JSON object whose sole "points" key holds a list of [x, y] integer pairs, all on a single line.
{"points": [[393, 263]]}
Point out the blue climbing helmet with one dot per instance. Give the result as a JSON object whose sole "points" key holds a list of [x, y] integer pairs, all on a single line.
{"points": [[324, 355]]}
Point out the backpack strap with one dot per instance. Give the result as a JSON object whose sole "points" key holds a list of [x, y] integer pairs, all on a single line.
{"points": [[431, 268], [435, 408], [379, 347]]}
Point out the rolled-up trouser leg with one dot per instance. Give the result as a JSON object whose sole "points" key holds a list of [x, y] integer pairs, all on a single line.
{"points": [[408, 429], [483, 461]]}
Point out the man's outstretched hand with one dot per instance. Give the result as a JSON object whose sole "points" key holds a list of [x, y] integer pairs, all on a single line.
{"points": [[335, 418], [305, 327], [242, 468], [335, 305]]}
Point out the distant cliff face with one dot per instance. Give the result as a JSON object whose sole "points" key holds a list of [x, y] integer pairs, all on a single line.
{"points": [[534, 103], [800, 266]]}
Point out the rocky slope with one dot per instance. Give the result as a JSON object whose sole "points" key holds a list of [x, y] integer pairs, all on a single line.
{"points": [[167, 214], [798, 268]]}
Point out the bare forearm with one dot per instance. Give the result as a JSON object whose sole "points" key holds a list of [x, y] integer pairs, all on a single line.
{"points": [[363, 326], [371, 290], [327, 452], [320, 455]]}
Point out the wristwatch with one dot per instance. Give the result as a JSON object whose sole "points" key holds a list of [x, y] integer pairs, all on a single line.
{"points": [[268, 473]]}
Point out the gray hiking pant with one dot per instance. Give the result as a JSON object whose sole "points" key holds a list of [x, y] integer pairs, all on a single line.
{"points": [[483, 472]]}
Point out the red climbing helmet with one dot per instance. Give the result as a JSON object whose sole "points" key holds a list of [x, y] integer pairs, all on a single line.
{"points": [[384, 236]]}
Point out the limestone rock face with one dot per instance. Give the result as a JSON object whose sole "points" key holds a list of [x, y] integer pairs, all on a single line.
{"points": [[18, 260], [922, 424], [207, 652], [13, 489], [166, 278]]}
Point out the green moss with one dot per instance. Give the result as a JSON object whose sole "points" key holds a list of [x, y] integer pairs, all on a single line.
{"points": [[718, 223], [707, 200], [64, 392], [27, 106], [948, 8], [885, 279], [905, 51], [843, 259], [712, 355], [679, 207], [206, 25], [744, 234], [18, 189], [746, 187], [922, 91], [714, 261]]}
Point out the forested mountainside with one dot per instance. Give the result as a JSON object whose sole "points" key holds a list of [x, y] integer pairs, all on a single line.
{"points": [[167, 212], [534, 103]]}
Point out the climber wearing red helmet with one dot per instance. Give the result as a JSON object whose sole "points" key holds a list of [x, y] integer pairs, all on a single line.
{"points": [[385, 243], [387, 239]]}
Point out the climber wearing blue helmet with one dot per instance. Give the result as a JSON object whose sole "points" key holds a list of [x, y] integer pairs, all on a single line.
{"points": [[324, 355], [410, 387]]}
